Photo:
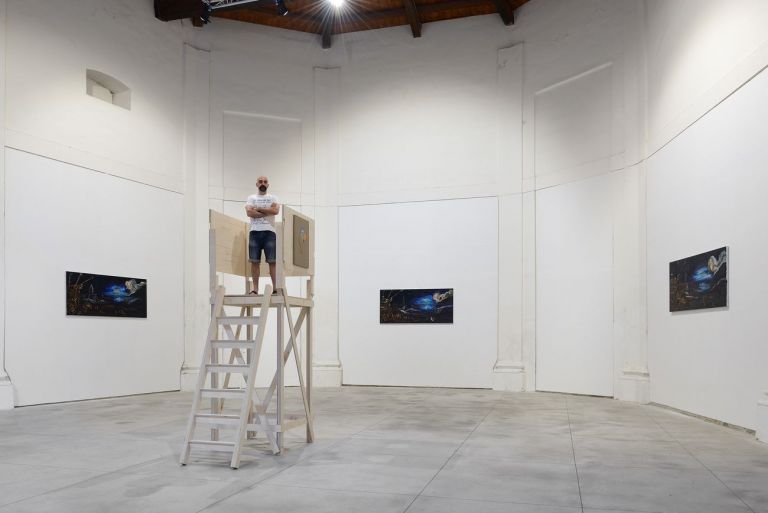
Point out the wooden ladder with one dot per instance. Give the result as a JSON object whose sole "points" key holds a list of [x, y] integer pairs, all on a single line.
{"points": [[248, 420]]}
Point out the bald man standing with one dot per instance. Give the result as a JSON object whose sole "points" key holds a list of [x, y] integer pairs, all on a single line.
{"points": [[262, 209]]}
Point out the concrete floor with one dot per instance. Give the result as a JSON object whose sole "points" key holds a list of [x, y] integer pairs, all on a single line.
{"points": [[387, 450]]}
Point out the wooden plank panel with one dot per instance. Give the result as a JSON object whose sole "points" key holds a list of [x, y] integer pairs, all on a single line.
{"points": [[289, 268], [231, 244]]}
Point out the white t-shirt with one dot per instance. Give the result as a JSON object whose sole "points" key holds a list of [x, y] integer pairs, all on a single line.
{"points": [[262, 201]]}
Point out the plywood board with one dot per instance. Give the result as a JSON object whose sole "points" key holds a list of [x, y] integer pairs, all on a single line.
{"points": [[299, 234], [231, 244]]}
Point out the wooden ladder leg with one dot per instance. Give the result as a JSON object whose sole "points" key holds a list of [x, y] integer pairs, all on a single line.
{"points": [[308, 363], [280, 385], [297, 358], [218, 304]]}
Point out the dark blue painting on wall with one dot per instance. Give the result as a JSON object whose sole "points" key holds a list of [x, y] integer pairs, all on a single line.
{"points": [[106, 296], [428, 306], [699, 281]]}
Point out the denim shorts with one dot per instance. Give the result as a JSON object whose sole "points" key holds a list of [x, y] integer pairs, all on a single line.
{"points": [[262, 240]]}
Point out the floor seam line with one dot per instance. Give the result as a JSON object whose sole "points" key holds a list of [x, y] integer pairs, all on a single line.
{"points": [[702, 464], [573, 452], [451, 456]]}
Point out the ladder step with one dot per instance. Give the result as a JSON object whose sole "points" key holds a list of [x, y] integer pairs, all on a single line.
{"points": [[217, 420], [233, 369], [221, 393], [233, 344], [212, 445], [238, 320]]}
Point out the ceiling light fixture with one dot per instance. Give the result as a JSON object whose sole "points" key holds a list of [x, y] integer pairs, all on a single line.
{"points": [[282, 10]]}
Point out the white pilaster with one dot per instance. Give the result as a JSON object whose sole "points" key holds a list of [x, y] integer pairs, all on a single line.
{"points": [[529, 289], [762, 418], [197, 308], [6, 387], [509, 370], [634, 385], [327, 370], [629, 306]]}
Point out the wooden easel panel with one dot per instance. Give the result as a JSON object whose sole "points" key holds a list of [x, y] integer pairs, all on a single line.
{"points": [[289, 268], [231, 244]]}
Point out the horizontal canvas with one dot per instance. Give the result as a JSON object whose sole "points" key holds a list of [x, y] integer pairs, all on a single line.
{"points": [[106, 296], [416, 306], [700, 281]]}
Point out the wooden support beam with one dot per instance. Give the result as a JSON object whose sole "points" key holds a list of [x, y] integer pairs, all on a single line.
{"points": [[413, 17], [505, 11], [326, 30], [167, 10]]}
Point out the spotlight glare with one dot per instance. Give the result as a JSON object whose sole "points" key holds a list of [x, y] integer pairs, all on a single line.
{"points": [[336, 3]]}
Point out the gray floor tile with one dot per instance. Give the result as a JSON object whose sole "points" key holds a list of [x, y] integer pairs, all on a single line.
{"points": [[443, 505], [377, 448], [625, 453], [467, 477], [124, 493], [426, 449], [380, 473], [213, 466], [520, 447], [751, 487], [85, 453], [19, 482], [285, 499], [734, 455], [656, 489]]}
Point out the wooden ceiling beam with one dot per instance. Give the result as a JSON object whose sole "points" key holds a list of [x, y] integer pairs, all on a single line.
{"points": [[505, 11], [412, 14], [326, 31], [318, 17], [167, 10], [269, 18]]}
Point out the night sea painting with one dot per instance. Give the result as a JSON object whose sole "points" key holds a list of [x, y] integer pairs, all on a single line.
{"points": [[106, 296], [699, 281], [416, 306]]}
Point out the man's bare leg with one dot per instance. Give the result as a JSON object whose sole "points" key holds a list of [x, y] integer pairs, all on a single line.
{"points": [[272, 274], [255, 273]]}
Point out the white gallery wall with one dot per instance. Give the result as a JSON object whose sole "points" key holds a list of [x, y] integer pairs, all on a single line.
{"points": [[574, 288], [560, 132], [497, 112], [90, 187], [430, 244], [60, 218], [7, 392], [48, 51], [707, 189], [385, 119], [705, 179]]}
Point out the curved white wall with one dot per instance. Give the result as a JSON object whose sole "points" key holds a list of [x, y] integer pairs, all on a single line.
{"points": [[60, 218], [707, 189], [383, 121], [706, 181]]}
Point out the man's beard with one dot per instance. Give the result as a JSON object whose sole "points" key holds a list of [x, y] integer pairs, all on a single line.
{"points": [[263, 188]]}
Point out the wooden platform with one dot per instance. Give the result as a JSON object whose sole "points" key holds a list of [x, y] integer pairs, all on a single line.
{"points": [[257, 299]]}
